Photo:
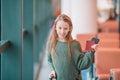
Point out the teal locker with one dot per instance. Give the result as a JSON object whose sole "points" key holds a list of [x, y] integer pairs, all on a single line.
{"points": [[17, 26], [11, 29], [42, 17], [20, 21], [27, 55]]}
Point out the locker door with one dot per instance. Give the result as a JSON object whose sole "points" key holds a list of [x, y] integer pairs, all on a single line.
{"points": [[42, 18], [11, 29], [27, 59], [16, 26]]}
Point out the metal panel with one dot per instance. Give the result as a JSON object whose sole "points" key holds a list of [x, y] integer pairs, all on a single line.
{"points": [[0, 38], [11, 30], [27, 59], [42, 15]]}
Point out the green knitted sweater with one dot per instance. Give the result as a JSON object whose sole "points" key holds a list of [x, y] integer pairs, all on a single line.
{"points": [[66, 67]]}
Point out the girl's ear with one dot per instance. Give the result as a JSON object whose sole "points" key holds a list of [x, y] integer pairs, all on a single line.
{"points": [[70, 29]]}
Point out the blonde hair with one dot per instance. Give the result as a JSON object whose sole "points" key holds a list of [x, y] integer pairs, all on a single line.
{"points": [[52, 40]]}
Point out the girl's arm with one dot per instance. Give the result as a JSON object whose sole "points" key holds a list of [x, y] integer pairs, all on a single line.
{"points": [[50, 63], [82, 60], [52, 73]]}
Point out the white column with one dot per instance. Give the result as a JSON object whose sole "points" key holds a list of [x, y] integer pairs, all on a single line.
{"points": [[83, 14], [66, 7]]}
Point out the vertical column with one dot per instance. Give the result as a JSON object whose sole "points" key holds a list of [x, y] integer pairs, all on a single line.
{"points": [[83, 14], [0, 39], [27, 56], [66, 7]]}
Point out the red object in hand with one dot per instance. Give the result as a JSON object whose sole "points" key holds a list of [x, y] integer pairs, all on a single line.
{"points": [[88, 45]]}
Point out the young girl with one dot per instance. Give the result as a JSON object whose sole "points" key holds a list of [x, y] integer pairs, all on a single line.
{"points": [[65, 56]]}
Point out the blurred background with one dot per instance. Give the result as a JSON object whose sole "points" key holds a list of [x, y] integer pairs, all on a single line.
{"points": [[25, 24]]}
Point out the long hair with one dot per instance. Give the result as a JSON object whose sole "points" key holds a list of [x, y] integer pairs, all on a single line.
{"points": [[52, 40]]}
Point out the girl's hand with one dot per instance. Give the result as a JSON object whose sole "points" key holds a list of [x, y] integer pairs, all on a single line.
{"points": [[52, 74], [94, 46]]}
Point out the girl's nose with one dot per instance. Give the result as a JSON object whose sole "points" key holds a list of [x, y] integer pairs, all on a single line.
{"points": [[62, 31]]}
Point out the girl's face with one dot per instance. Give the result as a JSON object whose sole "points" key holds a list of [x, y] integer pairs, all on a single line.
{"points": [[62, 29]]}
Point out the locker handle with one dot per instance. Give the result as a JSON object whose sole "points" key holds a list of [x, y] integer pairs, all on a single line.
{"points": [[4, 44], [25, 32]]}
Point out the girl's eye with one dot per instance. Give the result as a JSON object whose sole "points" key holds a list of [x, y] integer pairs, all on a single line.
{"points": [[59, 27], [65, 28]]}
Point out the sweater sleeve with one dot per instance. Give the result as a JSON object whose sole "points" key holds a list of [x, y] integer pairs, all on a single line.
{"points": [[50, 62], [82, 60]]}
